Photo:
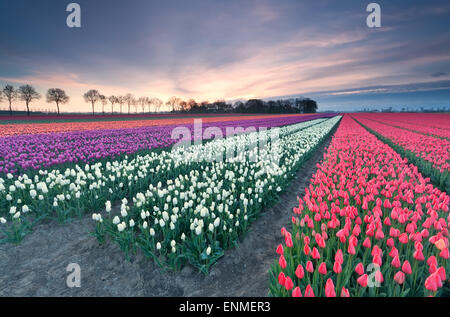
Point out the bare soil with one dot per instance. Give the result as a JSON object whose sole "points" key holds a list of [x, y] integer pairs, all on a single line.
{"points": [[37, 267]]}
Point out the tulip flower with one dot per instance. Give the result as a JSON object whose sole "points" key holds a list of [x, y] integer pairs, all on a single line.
{"points": [[418, 255], [297, 292], [359, 269], [337, 267], [406, 267], [330, 289], [362, 280], [323, 268], [299, 272], [281, 278], [309, 267], [288, 284], [282, 262], [399, 277], [309, 291], [396, 262], [379, 276], [280, 250], [345, 292]]}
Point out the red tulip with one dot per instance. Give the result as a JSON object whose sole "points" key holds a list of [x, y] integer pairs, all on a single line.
{"points": [[390, 242], [359, 269], [379, 276], [288, 284], [396, 262], [329, 288], [281, 278], [394, 252], [403, 238], [442, 274], [309, 267], [406, 267], [345, 292], [282, 262], [315, 254], [367, 243], [339, 257], [399, 277], [377, 260], [309, 291], [431, 283], [351, 249], [280, 250], [362, 280], [288, 240], [444, 253], [432, 260], [297, 292], [337, 267], [418, 255], [306, 249], [379, 234], [323, 268], [299, 272]]}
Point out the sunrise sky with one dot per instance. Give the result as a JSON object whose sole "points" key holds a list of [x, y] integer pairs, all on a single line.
{"points": [[210, 50]]}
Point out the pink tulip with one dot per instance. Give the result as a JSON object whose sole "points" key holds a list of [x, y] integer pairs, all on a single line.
{"points": [[309, 291], [362, 280], [282, 262], [280, 249], [288, 284], [299, 272], [399, 277], [281, 278], [359, 269], [330, 289], [297, 292], [323, 268], [309, 267], [406, 267]]}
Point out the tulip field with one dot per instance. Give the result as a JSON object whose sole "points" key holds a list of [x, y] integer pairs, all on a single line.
{"points": [[369, 224], [373, 220]]}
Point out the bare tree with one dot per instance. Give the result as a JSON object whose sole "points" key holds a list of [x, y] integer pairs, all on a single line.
{"points": [[104, 102], [113, 99], [143, 101], [57, 95], [174, 103], [129, 100], [157, 103], [10, 94], [121, 101], [92, 96], [27, 93]]}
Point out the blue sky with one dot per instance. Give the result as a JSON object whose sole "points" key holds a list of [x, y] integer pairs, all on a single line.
{"points": [[232, 50]]}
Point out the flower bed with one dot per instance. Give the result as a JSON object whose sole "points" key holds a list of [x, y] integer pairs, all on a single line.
{"points": [[368, 225]]}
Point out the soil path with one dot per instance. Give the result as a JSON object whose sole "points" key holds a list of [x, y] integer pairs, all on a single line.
{"points": [[37, 267]]}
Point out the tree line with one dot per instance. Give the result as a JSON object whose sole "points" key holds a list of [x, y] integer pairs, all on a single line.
{"points": [[28, 93]]}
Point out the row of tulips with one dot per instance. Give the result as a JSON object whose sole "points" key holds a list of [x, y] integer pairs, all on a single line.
{"points": [[62, 194], [430, 154], [437, 125], [22, 153], [369, 224], [59, 127], [204, 209]]}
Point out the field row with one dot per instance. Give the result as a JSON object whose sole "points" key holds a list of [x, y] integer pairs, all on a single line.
{"points": [[63, 194], [60, 127], [23, 153], [430, 154], [369, 224]]}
